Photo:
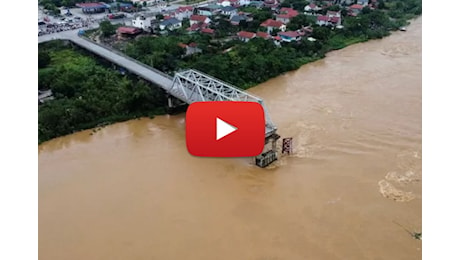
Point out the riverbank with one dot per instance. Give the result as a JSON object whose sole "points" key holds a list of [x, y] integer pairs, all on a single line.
{"points": [[87, 93]]}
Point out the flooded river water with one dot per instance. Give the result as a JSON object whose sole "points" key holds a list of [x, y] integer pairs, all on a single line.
{"points": [[131, 190]]}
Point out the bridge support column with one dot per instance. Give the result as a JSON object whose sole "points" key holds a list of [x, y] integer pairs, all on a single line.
{"points": [[269, 153], [175, 105]]}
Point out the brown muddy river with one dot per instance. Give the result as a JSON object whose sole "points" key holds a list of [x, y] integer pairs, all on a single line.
{"points": [[131, 190]]}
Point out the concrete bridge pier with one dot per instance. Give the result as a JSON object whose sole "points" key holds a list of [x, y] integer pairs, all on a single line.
{"points": [[175, 105], [269, 154]]}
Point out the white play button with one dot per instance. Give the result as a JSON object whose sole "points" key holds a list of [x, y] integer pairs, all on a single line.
{"points": [[223, 128]]}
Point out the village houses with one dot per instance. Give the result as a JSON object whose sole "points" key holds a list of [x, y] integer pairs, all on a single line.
{"points": [[143, 22], [170, 24], [271, 24], [286, 14]]}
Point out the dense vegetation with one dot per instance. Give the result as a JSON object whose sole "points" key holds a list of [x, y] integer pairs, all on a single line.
{"points": [[88, 93]]}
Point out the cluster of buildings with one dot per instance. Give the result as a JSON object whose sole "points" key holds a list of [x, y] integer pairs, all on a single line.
{"points": [[200, 18]]}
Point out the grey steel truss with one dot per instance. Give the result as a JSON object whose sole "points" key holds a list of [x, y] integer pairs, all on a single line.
{"points": [[194, 86]]}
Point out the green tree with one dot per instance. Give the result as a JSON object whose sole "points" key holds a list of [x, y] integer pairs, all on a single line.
{"points": [[321, 33], [107, 28], [299, 21], [43, 59]]}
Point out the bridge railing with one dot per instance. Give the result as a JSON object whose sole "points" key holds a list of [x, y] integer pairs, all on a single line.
{"points": [[126, 57]]}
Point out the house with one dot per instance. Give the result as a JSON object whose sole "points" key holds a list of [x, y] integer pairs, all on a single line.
{"points": [[199, 19], [305, 31], [362, 2], [190, 49], [335, 18], [244, 2], [197, 27], [286, 14], [229, 10], [204, 11], [273, 4], [312, 8], [271, 24], [183, 12], [257, 4], [207, 31], [236, 19], [355, 9], [194, 27], [142, 22], [170, 24], [128, 31], [331, 18], [245, 36], [289, 36], [322, 20], [263, 35], [228, 2], [209, 10]]}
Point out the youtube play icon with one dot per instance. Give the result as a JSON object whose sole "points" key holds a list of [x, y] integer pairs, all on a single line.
{"points": [[225, 129]]}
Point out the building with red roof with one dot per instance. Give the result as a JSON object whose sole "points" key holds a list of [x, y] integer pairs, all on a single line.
{"points": [[286, 14], [207, 31], [185, 9], [128, 31], [331, 18], [289, 36], [245, 36], [355, 9], [199, 19], [271, 24], [263, 35]]}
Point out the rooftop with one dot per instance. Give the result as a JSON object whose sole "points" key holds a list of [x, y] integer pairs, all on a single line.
{"points": [[271, 23], [128, 30], [356, 6], [245, 34], [263, 35], [290, 34], [199, 18]]}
